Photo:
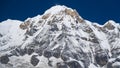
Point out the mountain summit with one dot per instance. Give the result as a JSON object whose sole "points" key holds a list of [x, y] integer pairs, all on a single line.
{"points": [[60, 38]]}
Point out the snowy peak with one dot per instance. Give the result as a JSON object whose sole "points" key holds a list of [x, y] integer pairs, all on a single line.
{"points": [[59, 38], [56, 9], [61, 10], [110, 25], [55, 14]]}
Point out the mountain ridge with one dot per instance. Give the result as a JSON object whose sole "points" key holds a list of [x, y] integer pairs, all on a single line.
{"points": [[60, 38]]}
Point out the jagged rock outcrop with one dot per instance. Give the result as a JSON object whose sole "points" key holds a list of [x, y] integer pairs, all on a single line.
{"points": [[4, 59], [34, 61], [62, 65], [101, 58]]}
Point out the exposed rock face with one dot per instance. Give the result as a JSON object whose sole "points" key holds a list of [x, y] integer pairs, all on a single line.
{"points": [[4, 59], [21, 51], [101, 58], [39, 52], [45, 16], [64, 57], [74, 13], [30, 51], [47, 53], [74, 64], [109, 26], [62, 65], [56, 54], [115, 52], [25, 25], [1, 35], [34, 61], [59, 38]]}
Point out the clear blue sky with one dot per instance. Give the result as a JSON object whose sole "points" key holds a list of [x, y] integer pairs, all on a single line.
{"points": [[94, 10]]}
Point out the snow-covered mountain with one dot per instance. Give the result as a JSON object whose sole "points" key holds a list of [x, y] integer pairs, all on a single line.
{"points": [[60, 38]]}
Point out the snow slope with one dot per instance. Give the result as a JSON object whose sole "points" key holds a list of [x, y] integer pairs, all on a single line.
{"points": [[10, 34]]}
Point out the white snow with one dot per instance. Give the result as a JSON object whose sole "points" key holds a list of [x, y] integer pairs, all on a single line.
{"points": [[101, 36], [56, 9], [116, 64], [92, 66], [111, 22], [12, 33], [8, 26], [13, 36]]}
